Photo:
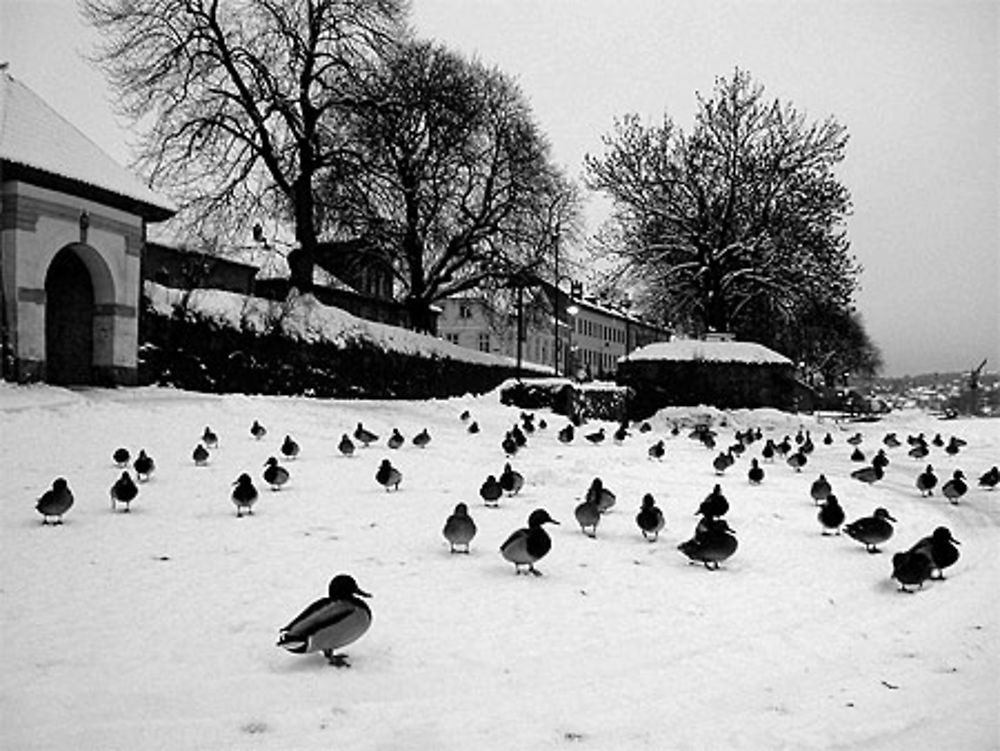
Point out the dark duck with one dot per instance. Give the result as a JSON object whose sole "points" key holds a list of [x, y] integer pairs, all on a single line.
{"points": [[650, 518], [872, 530], [940, 547], [713, 543]]}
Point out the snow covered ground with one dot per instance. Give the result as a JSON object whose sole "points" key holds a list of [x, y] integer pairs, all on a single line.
{"points": [[156, 629]]}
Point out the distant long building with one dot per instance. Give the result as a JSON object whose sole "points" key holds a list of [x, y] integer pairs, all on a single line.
{"points": [[570, 333]]}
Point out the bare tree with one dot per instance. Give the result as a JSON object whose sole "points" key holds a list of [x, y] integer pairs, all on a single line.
{"points": [[743, 214], [456, 186], [242, 102]]}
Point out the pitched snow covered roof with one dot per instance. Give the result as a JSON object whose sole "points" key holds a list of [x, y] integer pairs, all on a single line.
{"points": [[712, 351], [36, 137]]}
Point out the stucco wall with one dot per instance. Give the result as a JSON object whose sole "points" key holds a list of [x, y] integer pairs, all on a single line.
{"points": [[36, 224]]}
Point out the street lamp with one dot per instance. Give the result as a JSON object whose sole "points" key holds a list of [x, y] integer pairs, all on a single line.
{"points": [[571, 311]]}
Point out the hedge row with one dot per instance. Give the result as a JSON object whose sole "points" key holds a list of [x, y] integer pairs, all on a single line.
{"points": [[190, 351]]}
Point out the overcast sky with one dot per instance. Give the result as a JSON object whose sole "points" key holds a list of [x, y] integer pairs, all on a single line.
{"points": [[916, 84]]}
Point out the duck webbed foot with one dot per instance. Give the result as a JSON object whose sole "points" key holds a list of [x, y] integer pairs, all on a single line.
{"points": [[337, 661]]}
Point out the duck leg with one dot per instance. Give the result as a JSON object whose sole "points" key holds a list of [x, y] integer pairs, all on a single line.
{"points": [[337, 661]]}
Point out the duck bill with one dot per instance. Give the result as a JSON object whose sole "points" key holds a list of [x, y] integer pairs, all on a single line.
{"points": [[360, 592], [955, 541]]}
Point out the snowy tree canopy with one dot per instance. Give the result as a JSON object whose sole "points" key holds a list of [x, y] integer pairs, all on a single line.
{"points": [[739, 220]]}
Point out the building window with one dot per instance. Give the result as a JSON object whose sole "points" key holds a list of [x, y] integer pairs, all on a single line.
{"points": [[453, 338], [464, 311], [484, 342]]}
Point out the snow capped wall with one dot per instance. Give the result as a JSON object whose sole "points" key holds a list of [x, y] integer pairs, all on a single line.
{"points": [[688, 350], [306, 319]]}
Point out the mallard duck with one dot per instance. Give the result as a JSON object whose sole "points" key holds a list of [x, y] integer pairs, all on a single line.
{"points": [[330, 623]]}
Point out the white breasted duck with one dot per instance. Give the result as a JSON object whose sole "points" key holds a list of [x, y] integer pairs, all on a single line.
{"points": [[395, 440], [330, 623], [530, 544], [459, 529], [55, 501]]}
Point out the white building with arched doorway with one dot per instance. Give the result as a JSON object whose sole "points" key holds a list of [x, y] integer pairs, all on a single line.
{"points": [[72, 228]]}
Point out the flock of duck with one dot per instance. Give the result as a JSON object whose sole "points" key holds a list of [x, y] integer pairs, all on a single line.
{"points": [[343, 616]]}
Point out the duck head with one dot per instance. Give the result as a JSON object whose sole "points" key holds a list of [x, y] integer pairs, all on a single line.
{"points": [[539, 517], [882, 513], [343, 586], [943, 534]]}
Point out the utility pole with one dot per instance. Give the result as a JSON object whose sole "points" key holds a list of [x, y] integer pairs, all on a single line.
{"points": [[555, 303]]}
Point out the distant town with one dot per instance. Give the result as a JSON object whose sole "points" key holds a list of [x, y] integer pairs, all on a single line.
{"points": [[947, 393]]}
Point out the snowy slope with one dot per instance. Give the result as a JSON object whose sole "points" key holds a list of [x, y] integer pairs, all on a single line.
{"points": [[156, 629]]}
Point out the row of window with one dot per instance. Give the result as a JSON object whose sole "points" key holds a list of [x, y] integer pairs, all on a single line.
{"points": [[595, 361], [536, 349], [599, 330]]}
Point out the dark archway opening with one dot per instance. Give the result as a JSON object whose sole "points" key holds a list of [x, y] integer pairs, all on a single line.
{"points": [[69, 321]]}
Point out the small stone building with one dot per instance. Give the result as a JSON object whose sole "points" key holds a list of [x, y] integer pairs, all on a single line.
{"points": [[72, 229], [724, 374]]}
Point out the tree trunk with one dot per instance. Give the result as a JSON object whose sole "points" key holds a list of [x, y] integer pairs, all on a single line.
{"points": [[302, 259], [421, 316]]}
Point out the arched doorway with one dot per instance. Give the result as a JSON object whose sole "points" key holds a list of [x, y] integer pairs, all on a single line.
{"points": [[69, 320]]}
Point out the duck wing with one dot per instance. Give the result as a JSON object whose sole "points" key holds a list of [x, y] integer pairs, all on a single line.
{"points": [[325, 624]]}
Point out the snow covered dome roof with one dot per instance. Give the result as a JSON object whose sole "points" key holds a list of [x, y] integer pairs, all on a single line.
{"points": [[712, 351], [35, 136]]}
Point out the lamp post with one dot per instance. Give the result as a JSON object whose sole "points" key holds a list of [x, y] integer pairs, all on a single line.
{"points": [[555, 303], [571, 311]]}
